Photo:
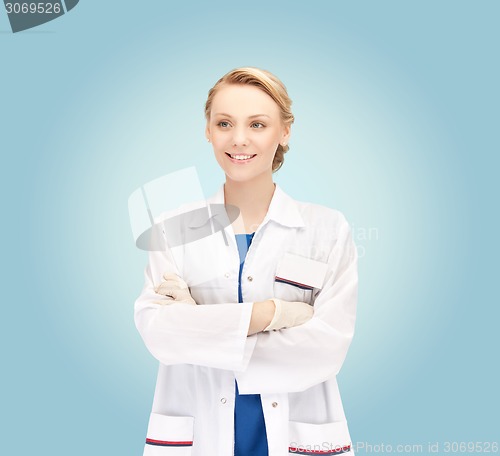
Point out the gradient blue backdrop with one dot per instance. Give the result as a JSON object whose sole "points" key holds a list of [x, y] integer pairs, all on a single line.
{"points": [[397, 122]]}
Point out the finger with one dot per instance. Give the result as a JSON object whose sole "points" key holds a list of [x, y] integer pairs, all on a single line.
{"points": [[173, 293], [170, 276], [171, 285], [164, 302], [165, 291], [168, 285]]}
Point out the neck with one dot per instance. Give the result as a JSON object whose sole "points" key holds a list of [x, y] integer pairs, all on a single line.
{"points": [[252, 198]]}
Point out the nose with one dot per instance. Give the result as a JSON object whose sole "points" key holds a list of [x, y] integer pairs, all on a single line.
{"points": [[240, 137]]}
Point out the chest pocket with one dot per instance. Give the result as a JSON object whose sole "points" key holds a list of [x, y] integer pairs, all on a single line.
{"points": [[298, 278]]}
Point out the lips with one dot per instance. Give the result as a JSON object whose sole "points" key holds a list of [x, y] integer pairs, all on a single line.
{"points": [[240, 158]]}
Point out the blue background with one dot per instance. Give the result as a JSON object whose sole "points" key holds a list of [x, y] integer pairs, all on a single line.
{"points": [[396, 107]]}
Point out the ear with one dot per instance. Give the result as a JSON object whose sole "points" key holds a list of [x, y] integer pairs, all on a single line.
{"points": [[207, 132], [285, 137]]}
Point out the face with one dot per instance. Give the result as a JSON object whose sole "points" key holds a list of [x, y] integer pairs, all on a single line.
{"points": [[245, 130]]}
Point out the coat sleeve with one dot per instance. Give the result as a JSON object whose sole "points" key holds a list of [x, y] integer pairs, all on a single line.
{"points": [[294, 359], [212, 335]]}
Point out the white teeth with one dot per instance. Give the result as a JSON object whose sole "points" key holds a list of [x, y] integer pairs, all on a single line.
{"points": [[241, 157]]}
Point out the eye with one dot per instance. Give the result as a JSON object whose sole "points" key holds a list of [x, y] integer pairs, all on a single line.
{"points": [[223, 124], [258, 125]]}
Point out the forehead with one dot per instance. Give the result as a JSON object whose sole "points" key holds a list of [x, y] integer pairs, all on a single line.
{"points": [[243, 100]]}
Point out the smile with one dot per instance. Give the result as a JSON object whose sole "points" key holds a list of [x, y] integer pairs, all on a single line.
{"points": [[240, 157]]}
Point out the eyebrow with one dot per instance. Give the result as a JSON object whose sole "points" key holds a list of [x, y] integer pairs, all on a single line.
{"points": [[250, 117]]}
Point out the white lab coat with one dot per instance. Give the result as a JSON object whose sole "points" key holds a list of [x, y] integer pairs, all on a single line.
{"points": [[203, 348]]}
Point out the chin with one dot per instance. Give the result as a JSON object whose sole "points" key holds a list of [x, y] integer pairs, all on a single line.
{"points": [[247, 175]]}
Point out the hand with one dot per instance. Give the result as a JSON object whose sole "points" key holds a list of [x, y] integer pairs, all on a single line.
{"points": [[173, 287], [289, 314], [262, 315]]}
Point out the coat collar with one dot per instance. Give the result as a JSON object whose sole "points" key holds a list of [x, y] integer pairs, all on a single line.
{"points": [[283, 209]]}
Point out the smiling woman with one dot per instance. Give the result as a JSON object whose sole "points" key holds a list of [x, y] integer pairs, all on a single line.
{"points": [[258, 83], [241, 137], [280, 295]]}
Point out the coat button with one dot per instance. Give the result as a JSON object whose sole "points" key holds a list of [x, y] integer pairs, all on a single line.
{"points": [[274, 404], [223, 400], [250, 278], [226, 275]]}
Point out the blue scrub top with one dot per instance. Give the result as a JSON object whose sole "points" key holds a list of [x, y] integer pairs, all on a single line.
{"points": [[250, 438]]}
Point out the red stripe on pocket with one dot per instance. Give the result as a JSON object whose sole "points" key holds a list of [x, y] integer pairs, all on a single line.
{"points": [[168, 443], [291, 282]]}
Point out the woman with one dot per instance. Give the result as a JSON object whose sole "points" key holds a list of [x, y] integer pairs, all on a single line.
{"points": [[251, 327]]}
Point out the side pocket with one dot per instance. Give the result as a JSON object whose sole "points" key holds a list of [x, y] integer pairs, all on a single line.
{"points": [[325, 439], [169, 435]]}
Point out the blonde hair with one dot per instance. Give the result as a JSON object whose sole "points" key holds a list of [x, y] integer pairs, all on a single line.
{"points": [[269, 84]]}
